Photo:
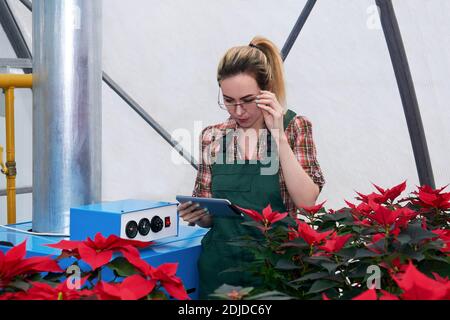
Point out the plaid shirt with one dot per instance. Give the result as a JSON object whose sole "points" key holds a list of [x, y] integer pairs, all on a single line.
{"points": [[299, 134]]}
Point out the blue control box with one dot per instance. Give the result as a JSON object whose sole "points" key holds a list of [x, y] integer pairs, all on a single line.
{"points": [[129, 219]]}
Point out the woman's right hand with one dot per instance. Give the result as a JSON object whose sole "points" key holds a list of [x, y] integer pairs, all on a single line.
{"points": [[191, 213]]}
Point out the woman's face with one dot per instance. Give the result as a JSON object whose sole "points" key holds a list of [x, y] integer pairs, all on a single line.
{"points": [[243, 88]]}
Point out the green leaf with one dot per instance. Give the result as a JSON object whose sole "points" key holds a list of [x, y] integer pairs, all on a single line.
{"points": [[285, 264], [410, 253], [245, 243], [404, 238], [331, 293], [225, 288], [364, 253], [317, 259], [347, 253], [417, 233], [330, 266], [270, 295], [358, 270], [322, 285], [439, 258], [440, 267], [236, 269], [434, 245], [246, 291], [38, 277], [223, 291], [377, 246], [20, 285], [336, 216], [53, 277], [297, 243], [251, 224], [323, 262], [157, 295], [311, 276], [122, 267]]}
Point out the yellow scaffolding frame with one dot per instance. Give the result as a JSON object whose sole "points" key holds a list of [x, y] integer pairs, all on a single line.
{"points": [[9, 82]]}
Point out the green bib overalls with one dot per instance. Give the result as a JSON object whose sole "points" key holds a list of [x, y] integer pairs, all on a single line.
{"points": [[243, 185]]}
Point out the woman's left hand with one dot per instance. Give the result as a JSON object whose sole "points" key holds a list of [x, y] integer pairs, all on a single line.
{"points": [[272, 112]]}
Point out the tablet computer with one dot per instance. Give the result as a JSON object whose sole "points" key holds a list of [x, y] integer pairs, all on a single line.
{"points": [[216, 207]]}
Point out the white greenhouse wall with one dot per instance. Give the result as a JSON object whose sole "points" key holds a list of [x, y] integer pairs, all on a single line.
{"points": [[339, 75]]}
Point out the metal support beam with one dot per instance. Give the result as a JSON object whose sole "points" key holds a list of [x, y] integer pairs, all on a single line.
{"points": [[16, 63], [297, 28], [13, 32], [407, 92], [144, 115], [24, 190], [27, 4]]}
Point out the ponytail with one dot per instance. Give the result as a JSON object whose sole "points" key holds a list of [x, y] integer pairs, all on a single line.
{"points": [[275, 64]]}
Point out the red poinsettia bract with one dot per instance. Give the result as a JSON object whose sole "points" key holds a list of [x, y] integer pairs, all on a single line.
{"points": [[165, 274], [267, 218], [384, 195], [444, 235], [43, 291], [313, 209], [307, 233], [429, 198], [132, 288], [335, 243], [394, 267], [98, 252], [417, 286], [370, 294], [387, 218], [14, 263]]}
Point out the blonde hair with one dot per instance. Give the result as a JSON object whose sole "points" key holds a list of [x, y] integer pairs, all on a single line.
{"points": [[261, 59]]}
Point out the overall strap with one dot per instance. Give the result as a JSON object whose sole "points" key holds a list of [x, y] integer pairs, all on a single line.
{"points": [[288, 117], [223, 150]]}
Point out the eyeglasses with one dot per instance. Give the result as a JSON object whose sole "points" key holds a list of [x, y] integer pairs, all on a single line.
{"points": [[229, 105]]}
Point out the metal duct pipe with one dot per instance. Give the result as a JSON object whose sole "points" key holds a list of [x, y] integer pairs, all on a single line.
{"points": [[66, 109]]}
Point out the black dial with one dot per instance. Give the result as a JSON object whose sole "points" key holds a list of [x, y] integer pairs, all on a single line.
{"points": [[157, 224], [144, 226], [131, 229]]}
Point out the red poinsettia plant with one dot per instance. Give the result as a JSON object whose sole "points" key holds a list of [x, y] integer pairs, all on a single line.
{"points": [[379, 248], [100, 269]]}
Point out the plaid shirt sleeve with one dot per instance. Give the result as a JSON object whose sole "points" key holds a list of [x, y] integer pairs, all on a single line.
{"points": [[300, 137]]}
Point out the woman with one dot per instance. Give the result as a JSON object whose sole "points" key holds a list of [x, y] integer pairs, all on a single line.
{"points": [[252, 90]]}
